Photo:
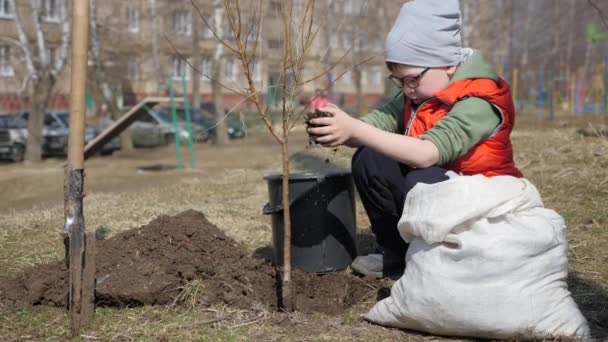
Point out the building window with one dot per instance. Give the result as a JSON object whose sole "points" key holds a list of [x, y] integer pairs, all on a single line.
{"points": [[352, 6], [52, 54], [251, 29], [6, 11], [180, 68], [53, 10], [206, 68], [347, 77], [375, 76], [207, 33], [231, 69], [133, 68], [377, 42], [227, 31], [347, 40], [182, 22], [6, 68], [256, 71], [275, 7], [133, 19], [333, 40], [274, 43]]}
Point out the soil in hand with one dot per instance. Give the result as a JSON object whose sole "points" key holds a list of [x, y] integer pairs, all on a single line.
{"points": [[312, 115], [152, 265]]}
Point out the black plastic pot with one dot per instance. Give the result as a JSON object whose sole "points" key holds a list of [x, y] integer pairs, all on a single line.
{"points": [[322, 220]]}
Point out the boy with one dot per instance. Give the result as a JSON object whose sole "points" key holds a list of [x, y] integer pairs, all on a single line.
{"points": [[454, 110]]}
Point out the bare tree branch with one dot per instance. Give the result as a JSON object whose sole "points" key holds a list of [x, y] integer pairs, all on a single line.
{"points": [[62, 55], [24, 42], [198, 70], [40, 41], [599, 12], [213, 31]]}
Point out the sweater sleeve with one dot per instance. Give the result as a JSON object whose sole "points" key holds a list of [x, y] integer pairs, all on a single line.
{"points": [[388, 116], [469, 122]]}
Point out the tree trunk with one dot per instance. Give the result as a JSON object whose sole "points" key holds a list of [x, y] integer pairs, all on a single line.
{"points": [[161, 85], [41, 92], [196, 61], [218, 100], [219, 70], [102, 80], [286, 281]]}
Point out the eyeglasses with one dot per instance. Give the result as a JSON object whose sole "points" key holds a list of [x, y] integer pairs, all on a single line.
{"points": [[410, 82]]}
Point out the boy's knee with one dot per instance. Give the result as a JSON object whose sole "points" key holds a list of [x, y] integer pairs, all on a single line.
{"points": [[429, 175]]}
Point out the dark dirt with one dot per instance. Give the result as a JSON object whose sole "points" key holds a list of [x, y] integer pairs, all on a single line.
{"points": [[151, 265], [312, 115]]}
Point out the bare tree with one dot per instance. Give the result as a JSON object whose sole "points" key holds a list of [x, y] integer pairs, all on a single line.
{"points": [[155, 23], [219, 70], [104, 81], [42, 70], [196, 60], [298, 31]]}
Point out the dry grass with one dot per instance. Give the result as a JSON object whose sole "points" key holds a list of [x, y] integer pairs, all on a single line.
{"points": [[228, 186]]}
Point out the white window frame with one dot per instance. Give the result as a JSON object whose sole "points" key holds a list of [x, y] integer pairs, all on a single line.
{"points": [[182, 22], [231, 69], [333, 39], [6, 12], [350, 6], [51, 52], [6, 67], [377, 42], [53, 10], [347, 77], [253, 32], [375, 76], [347, 40], [133, 19], [206, 29], [206, 69], [180, 67], [256, 71]]}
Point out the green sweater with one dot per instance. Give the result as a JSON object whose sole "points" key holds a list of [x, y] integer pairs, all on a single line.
{"points": [[469, 122]]}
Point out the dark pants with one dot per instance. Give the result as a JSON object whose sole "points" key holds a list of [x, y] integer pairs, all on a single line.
{"points": [[382, 184]]}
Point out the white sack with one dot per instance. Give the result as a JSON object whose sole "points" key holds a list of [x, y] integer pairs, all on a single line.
{"points": [[486, 259]]}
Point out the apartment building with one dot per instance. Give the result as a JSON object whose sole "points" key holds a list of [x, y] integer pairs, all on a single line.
{"points": [[143, 45]]}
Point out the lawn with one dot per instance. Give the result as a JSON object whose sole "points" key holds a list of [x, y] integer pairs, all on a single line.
{"points": [[227, 185]]}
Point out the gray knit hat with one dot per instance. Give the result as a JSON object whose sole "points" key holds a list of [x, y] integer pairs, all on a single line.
{"points": [[426, 33]]}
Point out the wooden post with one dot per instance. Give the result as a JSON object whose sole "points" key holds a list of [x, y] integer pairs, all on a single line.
{"points": [[80, 245]]}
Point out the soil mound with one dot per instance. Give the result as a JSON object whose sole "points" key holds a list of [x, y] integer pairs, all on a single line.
{"points": [[152, 264]]}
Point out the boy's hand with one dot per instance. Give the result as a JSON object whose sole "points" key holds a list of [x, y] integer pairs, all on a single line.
{"points": [[335, 130]]}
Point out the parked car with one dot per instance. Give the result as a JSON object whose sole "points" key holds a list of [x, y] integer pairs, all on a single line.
{"points": [[55, 133], [205, 119], [13, 137], [154, 127]]}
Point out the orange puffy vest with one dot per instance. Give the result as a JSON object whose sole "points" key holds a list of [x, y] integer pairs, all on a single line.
{"points": [[492, 156]]}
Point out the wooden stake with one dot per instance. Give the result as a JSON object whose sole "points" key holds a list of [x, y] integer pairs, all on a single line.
{"points": [[81, 247]]}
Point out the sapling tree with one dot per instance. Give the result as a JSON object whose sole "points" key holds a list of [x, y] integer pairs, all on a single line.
{"points": [[297, 30]]}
